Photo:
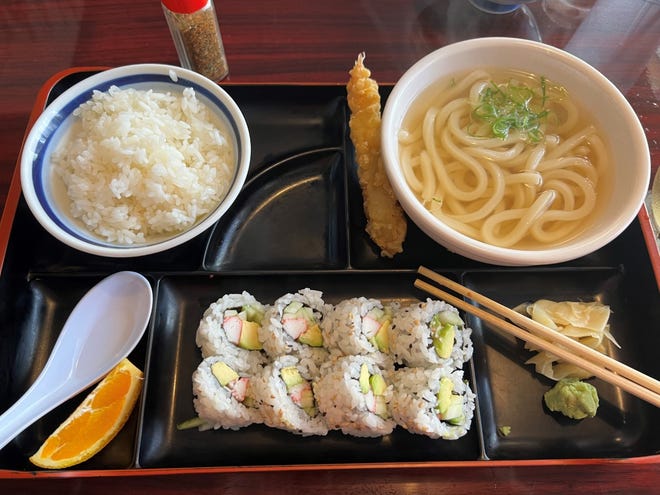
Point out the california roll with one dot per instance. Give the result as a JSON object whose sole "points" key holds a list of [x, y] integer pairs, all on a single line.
{"points": [[353, 393], [224, 395], [231, 325], [359, 326], [295, 324], [436, 402], [286, 397], [430, 333]]}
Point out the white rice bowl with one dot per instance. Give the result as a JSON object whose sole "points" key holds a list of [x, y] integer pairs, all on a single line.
{"points": [[138, 164], [135, 160]]}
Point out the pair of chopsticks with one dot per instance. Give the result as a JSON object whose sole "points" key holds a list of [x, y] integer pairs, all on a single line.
{"points": [[600, 365]]}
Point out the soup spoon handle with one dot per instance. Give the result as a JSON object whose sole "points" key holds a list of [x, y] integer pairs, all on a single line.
{"points": [[42, 397]]}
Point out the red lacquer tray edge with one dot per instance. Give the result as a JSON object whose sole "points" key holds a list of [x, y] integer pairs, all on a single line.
{"points": [[477, 464], [6, 222], [651, 245]]}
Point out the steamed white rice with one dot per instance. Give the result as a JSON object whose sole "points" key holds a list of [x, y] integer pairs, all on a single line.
{"points": [[139, 164]]}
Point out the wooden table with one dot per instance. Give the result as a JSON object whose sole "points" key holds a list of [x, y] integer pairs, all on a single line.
{"points": [[295, 41]]}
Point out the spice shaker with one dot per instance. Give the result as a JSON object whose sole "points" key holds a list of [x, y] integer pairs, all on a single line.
{"points": [[196, 35]]}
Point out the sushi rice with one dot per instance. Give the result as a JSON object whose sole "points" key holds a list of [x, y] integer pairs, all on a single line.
{"points": [[212, 337], [411, 336], [415, 400], [344, 382], [226, 406], [278, 342], [349, 333], [348, 406], [278, 409]]}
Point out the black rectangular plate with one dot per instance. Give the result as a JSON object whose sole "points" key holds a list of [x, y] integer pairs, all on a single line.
{"points": [[302, 183], [174, 357]]}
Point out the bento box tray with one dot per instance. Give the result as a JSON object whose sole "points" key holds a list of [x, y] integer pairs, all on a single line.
{"points": [[299, 223]]}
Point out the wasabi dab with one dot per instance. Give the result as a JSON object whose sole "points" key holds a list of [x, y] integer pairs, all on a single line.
{"points": [[573, 398]]}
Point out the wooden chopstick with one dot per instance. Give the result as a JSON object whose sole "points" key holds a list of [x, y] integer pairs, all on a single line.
{"points": [[545, 332], [600, 365]]}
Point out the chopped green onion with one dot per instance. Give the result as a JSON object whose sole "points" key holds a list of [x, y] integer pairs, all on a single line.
{"points": [[513, 106]]}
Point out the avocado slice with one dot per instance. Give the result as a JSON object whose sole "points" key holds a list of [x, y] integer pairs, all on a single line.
{"points": [[449, 405], [443, 340], [291, 376], [378, 384], [365, 386], [382, 338], [444, 396], [249, 338], [223, 373], [312, 336]]}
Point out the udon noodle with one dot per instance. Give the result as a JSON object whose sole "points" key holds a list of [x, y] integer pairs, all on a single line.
{"points": [[505, 158]]}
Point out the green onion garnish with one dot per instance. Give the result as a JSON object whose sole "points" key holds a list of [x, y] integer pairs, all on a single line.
{"points": [[512, 106]]}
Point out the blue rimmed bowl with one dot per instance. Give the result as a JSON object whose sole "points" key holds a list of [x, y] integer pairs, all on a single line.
{"points": [[38, 180]]}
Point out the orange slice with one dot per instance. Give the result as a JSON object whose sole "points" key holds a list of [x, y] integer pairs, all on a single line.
{"points": [[95, 422]]}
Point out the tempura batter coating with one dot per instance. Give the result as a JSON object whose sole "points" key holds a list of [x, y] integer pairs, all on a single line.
{"points": [[386, 223]]}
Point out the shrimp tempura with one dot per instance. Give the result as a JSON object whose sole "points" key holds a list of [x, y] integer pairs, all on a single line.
{"points": [[386, 223]]}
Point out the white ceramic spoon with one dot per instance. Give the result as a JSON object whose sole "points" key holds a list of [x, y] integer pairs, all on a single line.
{"points": [[103, 328]]}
